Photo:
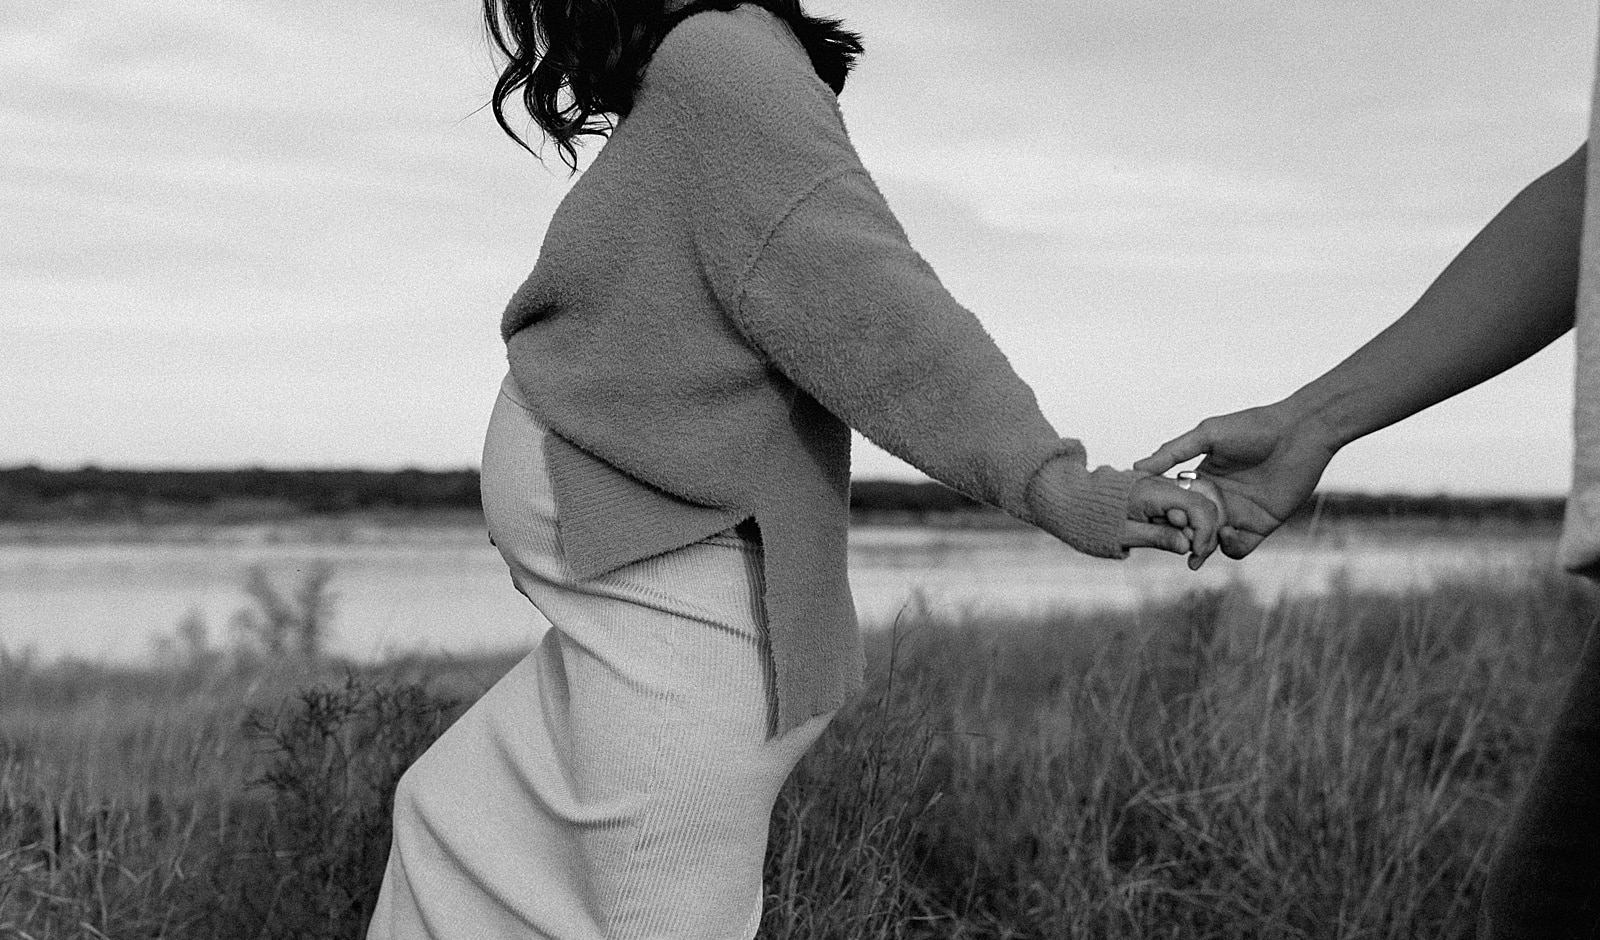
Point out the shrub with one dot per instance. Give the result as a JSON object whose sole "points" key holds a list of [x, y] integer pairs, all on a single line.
{"points": [[314, 847]]}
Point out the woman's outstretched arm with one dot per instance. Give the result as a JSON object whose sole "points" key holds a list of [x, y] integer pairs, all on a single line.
{"points": [[1507, 295], [804, 255], [842, 305]]}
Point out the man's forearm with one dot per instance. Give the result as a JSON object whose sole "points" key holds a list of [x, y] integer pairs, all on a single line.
{"points": [[1507, 295]]}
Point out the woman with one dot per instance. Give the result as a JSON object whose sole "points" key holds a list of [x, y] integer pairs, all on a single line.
{"points": [[1512, 291], [717, 301]]}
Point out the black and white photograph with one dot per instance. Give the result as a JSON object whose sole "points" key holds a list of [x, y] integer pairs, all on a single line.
{"points": [[799, 470]]}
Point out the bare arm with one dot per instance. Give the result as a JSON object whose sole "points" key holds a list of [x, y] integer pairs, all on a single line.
{"points": [[1507, 295]]}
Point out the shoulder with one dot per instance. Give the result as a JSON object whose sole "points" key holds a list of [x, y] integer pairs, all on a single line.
{"points": [[749, 128], [740, 61]]}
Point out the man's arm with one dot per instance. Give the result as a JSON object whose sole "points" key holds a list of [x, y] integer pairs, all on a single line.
{"points": [[1507, 295]]}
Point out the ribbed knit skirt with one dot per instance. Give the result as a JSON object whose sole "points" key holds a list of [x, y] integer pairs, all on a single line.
{"points": [[618, 781]]}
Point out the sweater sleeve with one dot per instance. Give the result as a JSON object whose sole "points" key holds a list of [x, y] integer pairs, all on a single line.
{"points": [[804, 254], [838, 301]]}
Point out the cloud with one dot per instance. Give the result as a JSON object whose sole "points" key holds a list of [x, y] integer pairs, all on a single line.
{"points": [[244, 160], [301, 206]]}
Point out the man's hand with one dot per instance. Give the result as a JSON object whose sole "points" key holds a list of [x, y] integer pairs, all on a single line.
{"points": [[1265, 461], [1163, 515]]}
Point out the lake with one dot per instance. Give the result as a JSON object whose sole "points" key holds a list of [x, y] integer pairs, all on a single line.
{"points": [[107, 594]]}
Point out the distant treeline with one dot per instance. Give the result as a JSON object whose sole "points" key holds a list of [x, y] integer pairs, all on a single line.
{"points": [[882, 496], [94, 494], [1511, 509]]}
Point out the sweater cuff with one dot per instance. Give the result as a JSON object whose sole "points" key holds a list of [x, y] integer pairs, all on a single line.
{"points": [[1085, 510]]}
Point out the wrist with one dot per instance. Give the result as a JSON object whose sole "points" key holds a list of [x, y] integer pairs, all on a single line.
{"points": [[1320, 417], [1086, 510]]}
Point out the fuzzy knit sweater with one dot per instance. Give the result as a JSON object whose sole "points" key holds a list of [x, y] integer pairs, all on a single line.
{"points": [[720, 297]]}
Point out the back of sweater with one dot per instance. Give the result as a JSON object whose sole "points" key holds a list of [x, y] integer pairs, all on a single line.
{"points": [[718, 299]]}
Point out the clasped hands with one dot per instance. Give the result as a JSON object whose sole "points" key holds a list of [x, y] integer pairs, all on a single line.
{"points": [[1260, 465]]}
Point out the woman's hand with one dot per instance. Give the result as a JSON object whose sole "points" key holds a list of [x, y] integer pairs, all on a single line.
{"points": [[1265, 461], [1163, 515]]}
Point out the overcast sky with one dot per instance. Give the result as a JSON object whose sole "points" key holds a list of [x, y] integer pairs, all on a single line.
{"points": [[279, 232]]}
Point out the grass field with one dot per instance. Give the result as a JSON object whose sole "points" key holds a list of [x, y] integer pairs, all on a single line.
{"points": [[1334, 767]]}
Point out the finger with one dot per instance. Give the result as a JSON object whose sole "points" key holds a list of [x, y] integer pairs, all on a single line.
{"points": [[1237, 543], [1150, 535], [1206, 520], [1154, 497], [1250, 523], [1177, 518], [1179, 449]]}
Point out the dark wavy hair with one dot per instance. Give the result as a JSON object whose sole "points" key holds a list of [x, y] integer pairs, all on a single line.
{"points": [[577, 63]]}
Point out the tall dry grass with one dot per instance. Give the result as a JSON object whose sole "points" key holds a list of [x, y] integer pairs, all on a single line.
{"points": [[1334, 767]]}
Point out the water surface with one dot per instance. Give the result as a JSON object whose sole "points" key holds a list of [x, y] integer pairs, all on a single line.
{"points": [[109, 595]]}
